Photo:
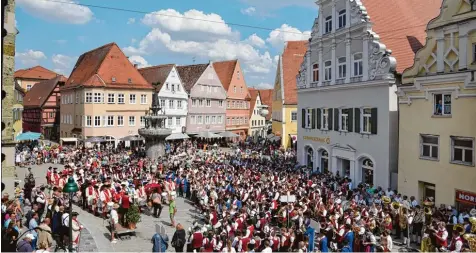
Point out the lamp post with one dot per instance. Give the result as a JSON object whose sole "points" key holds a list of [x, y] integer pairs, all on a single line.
{"points": [[71, 187]]}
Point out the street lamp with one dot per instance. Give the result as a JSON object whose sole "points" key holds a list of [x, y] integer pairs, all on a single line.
{"points": [[71, 187]]}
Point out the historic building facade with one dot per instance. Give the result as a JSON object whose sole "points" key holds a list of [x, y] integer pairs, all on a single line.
{"points": [[348, 109], [258, 125], [172, 95], [284, 105], [105, 96], [206, 103], [438, 111]]}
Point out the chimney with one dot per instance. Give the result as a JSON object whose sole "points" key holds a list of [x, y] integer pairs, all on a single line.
{"points": [[135, 65]]}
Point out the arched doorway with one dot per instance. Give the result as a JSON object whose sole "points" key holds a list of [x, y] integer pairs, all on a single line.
{"points": [[367, 171], [324, 163], [310, 157]]}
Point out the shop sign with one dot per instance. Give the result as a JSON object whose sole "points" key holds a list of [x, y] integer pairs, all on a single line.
{"points": [[326, 140], [466, 197]]}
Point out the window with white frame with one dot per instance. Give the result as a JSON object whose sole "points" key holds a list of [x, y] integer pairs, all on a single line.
{"points": [[132, 98], [97, 97], [111, 98], [194, 102], [294, 116], [142, 121], [167, 86], [89, 98], [342, 19], [366, 120], [308, 118], [315, 72], [344, 119], [233, 104], [220, 119], [228, 121], [462, 150], [77, 97], [173, 87], [234, 89], [442, 104], [357, 63], [199, 119], [110, 120], [120, 120], [171, 104], [178, 87], [192, 120], [162, 103], [97, 121], [209, 103], [246, 120], [325, 119], [28, 87], [178, 121], [429, 146], [327, 70], [200, 102], [143, 99], [233, 121], [342, 67], [170, 121], [213, 120], [220, 103], [121, 98], [132, 120], [207, 119], [328, 25], [179, 104], [89, 121]]}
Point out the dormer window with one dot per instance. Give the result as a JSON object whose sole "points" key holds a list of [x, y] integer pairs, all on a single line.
{"points": [[315, 73], [113, 79], [328, 71], [129, 80], [342, 19], [328, 24]]}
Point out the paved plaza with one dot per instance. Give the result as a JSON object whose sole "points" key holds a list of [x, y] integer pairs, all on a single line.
{"points": [[95, 236]]}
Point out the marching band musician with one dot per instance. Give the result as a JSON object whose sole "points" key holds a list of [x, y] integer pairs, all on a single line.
{"points": [[441, 236], [418, 224], [105, 197], [456, 242]]}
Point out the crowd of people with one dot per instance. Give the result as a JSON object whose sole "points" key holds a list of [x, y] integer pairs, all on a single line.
{"points": [[253, 198]]}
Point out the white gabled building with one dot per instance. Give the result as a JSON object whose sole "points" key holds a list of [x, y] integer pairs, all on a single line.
{"points": [[258, 113], [348, 109], [172, 95]]}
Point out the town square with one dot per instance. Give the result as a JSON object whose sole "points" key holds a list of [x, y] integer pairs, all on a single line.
{"points": [[251, 126]]}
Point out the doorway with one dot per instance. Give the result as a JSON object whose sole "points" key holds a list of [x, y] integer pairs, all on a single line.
{"points": [[427, 190], [345, 168], [310, 158], [324, 161]]}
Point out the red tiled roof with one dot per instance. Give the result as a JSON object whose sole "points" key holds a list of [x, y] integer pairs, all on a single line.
{"points": [[225, 70], [254, 95], [190, 74], [41, 91], [37, 72], [267, 99], [401, 25], [98, 68], [157, 75], [292, 58]]}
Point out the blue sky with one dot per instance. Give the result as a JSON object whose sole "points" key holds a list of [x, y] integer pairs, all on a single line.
{"points": [[54, 33]]}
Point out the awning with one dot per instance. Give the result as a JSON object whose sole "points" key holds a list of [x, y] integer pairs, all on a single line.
{"points": [[69, 139], [28, 136], [95, 139], [228, 135], [132, 138], [177, 136], [208, 135]]}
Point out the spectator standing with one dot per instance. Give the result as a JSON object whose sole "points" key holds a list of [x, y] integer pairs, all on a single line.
{"points": [[32, 226], [172, 210], [178, 240], [25, 244], [44, 235]]}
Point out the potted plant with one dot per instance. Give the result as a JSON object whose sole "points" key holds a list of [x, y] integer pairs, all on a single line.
{"points": [[133, 216]]}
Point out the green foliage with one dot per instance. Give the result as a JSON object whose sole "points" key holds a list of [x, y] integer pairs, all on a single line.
{"points": [[133, 214]]}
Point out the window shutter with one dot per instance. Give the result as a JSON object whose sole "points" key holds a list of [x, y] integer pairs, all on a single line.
{"points": [[373, 121], [336, 119], [303, 118], [313, 118], [319, 118], [351, 120], [330, 119], [357, 120]]}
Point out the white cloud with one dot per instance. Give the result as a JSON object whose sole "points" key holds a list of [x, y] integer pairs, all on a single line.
{"points": [[286, 33], [131, 21], [190, 21], [256, 41], [63, 63], [30, 57], [65, 12], [276, 59], [139, 60], [263, 86], [277, 4], [248, 11]]}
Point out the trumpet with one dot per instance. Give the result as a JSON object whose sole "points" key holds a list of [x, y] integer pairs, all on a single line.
{"points": [[386, 200]]}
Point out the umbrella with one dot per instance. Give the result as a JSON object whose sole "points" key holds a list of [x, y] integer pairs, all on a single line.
{"points": [[228, 135], [28, 136], [132, 138], [94, 139], [177, 136], [208, 135]]}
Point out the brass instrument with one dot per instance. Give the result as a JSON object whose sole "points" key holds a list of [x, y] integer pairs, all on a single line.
{"points": [[427, 210], [471, 238], [356, 229], [386, 200], [428, 203], [402, 218], [472, 220], [395, 205], [456, 226]]}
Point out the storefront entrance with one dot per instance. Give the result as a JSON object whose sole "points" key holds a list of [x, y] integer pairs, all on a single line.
{"points": [[427, 190], [465, 201], [324, 163]]}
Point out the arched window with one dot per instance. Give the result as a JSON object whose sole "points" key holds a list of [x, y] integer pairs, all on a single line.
{"points": [[367, 171], [324, 161], [310, 158]]}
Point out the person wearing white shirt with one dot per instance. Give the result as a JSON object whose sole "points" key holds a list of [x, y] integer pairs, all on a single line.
{"points": [[267, 248]]}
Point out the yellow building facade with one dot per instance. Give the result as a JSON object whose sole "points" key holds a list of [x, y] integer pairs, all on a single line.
{"points": [[437, 98]]}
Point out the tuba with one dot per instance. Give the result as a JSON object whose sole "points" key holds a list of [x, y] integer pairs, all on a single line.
{"points": [[386, 200], [395, 205], [471, 239], [456, 226], [402, 218], [427, 210], [472, 220]]}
